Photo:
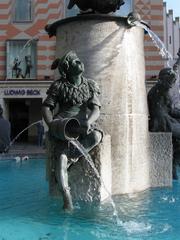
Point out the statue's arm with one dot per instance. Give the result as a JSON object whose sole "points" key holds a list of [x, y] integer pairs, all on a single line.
{"points": [[151, 99], [94, 114], [93, 104], [47, 114], [50, 102], [175, 112], [92, 117]]}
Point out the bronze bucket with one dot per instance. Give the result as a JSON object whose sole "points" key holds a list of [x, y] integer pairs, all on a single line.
{"points": [[65, 129]]}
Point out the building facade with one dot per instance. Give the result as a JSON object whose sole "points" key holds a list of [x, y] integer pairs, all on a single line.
{"points": [[171, 32], [151, 11], [25, 60]]}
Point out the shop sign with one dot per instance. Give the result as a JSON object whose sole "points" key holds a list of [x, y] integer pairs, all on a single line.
{"points": [[22, 92]]}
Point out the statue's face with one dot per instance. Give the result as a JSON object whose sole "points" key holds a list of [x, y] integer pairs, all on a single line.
{"points": [[168, 78], [75, 66]]}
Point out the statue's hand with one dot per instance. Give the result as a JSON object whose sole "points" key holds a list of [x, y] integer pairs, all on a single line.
{"points": [[87, 127]]}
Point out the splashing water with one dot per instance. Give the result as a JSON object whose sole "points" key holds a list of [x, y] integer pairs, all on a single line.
{"points": [[157, 42], [167, 55], [91, 163], [18, 135]]}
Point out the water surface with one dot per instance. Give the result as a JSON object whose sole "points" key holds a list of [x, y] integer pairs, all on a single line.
{"points": [[28, 213]]}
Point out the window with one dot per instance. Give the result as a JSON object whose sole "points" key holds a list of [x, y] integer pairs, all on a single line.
{"points": [[21, 59], [23, 10]]}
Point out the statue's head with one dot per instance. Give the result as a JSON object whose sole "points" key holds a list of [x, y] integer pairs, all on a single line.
{"points": [[100, 6], [167, 77], [69, 64]]}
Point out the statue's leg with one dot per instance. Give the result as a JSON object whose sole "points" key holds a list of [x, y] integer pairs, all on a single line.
{"points": [[62, 178]]}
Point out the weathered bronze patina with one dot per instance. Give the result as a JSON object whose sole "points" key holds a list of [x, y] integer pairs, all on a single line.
{"points": [[78, 108], [100, 6], [164, 117]]}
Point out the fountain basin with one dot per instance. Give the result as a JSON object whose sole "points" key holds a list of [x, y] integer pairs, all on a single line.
{"points": [[28, 212]]}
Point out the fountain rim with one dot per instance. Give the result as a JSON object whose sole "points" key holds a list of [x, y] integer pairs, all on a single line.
{"points": [[51, 28]]}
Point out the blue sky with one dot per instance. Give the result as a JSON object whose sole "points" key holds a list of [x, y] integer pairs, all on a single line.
{"points": [[175, 5]]}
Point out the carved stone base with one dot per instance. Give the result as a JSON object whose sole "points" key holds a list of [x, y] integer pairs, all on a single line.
{"points": [[161, 159]]}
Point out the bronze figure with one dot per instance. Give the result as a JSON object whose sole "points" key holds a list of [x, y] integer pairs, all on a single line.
{"points": [[164, 117], [100, 6], [78, 108]]}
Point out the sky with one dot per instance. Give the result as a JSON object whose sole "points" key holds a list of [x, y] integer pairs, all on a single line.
{"points": [[175, 5]]}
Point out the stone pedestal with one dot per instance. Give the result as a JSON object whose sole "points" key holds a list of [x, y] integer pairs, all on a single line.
{"points": [[161, 150]]}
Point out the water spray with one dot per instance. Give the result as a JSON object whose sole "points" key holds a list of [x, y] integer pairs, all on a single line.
{"points": [[19, 134]]}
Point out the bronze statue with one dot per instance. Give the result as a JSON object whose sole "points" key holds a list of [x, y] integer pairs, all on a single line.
{"points": [[100, 6], [164, 117], [28, 66], [16, 69], [78, 109]]}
